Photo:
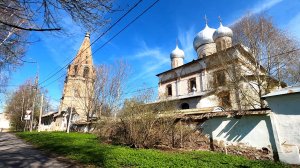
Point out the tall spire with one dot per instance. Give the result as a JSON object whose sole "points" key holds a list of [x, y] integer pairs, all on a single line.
{"points": [[87, 34], [84, 54]]}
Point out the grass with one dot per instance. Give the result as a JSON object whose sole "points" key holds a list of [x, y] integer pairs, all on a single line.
{"points": [[86, 149]]}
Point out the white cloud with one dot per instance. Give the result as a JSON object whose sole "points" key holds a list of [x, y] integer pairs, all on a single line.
{"points": [[151, 60], [267, 4], [186, 39], [259, 7]]}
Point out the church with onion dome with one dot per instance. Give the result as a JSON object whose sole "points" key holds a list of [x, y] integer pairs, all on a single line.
{"points": [[221, 77]]}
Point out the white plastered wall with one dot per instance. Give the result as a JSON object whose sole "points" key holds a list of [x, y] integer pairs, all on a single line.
{"points": [[253, 131]]}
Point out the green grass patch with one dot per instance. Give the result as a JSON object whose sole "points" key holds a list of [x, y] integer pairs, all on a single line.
{"points": [[87, 149]]}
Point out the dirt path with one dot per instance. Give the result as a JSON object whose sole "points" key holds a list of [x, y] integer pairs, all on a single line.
{"points": [[15, 153]]}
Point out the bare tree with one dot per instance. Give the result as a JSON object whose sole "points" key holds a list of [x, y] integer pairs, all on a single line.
{"points": [[272, 48], [233, 82], [45, 15], [142, 124], [148, 125], [20, 101], [101, 94], [12, 41], [18, 18], [263, 58], [109, 88], [272, 54]]}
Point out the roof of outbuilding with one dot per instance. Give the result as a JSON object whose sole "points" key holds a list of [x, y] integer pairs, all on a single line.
{"points": [[49, 113], [284, 91]]}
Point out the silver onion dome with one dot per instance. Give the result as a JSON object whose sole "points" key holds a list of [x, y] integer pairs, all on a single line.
{"points": [[222, 31], [205, 36], [177, 53]]}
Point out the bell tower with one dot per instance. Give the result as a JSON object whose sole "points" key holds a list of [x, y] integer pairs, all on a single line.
{"points": [[79, 83]]}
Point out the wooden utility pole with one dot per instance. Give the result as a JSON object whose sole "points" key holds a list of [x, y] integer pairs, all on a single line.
{"points": [[41, 112], [70, 115], [35, 87]]}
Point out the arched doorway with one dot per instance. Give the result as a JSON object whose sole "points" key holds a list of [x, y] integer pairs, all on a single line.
{"points": [[185, 106]]}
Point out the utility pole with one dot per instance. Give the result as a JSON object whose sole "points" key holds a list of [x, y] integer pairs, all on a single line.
{"points": [[41, 111], [70, 115], [35, 87]]}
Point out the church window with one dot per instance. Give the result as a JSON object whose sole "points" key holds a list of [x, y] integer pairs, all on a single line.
{"points": [[169, 90], [219, 45], [66, 79], [76, 93], [192, 85], [219, 78], [185, 106], [224, 99], [75, 69], [223, 44], [86, 72]]}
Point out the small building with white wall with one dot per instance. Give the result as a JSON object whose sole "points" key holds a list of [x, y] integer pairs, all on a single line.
{"points": [[4, 122], [285, 117]]}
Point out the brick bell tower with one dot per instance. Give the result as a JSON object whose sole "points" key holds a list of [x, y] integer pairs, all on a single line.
{"points": [[79, 83]]}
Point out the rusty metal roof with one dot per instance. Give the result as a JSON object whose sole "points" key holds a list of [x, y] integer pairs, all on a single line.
{"points": [[284, 91]]}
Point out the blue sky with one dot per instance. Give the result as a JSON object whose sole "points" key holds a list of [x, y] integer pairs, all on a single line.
{"points": [[146, 44]]}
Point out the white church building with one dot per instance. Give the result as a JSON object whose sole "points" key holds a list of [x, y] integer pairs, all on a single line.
{"points": [[223, 75]]}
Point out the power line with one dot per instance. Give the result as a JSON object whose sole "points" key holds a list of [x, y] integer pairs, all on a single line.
{"points": [[139, 90], [136, 18], [54, 80], [122, 17]]}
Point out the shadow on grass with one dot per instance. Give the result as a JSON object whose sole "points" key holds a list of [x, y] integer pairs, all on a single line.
{"points": [[84, 148]]}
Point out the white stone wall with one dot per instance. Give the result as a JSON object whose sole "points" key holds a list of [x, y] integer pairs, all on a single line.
{"points": [[180, 86], [176, 62], [253, 131], [77, 92], [208, 101], [206, 50], [223, 42], [286, 125]]}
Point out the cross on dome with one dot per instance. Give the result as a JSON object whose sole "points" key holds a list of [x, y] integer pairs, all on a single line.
{"points": [[205, 18]]}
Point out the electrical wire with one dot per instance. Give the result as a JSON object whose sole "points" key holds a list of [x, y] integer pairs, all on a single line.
{"points": [[122, 17], [124, 28]]}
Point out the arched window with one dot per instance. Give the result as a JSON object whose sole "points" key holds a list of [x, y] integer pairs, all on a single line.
{"points": [[86, 72], [169, 90], [219, 45], [75, 69], [185, 106], [223, 44], [192, 87]]}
